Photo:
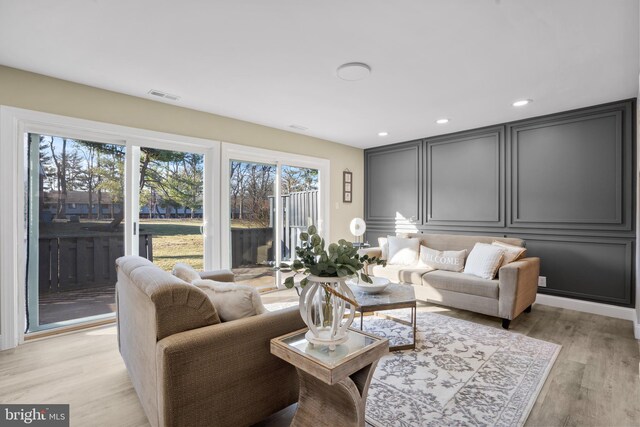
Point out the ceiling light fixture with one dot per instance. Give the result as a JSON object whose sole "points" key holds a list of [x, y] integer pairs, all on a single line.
{"points": [[383, 133], [522, 102], [442, 121], [353, 71]]}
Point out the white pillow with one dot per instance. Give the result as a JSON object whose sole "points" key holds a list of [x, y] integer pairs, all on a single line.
{"points": [[185, 272], [383, 243], [232, 301], [511, 252], [403, 251], [484, 261]]}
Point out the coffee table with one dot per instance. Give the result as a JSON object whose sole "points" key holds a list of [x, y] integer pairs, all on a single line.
{"points": [[333, 383], [395, 296]]}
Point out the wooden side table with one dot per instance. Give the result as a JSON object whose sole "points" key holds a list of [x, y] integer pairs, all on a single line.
{"points": [[333, 384]]}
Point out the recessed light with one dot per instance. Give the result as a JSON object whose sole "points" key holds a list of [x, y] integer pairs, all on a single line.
{"points": [[383, 133], [522, 102], [442, 121], [353, 71]]}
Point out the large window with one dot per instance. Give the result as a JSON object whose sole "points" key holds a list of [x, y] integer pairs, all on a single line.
{"points": [[78, 194]]}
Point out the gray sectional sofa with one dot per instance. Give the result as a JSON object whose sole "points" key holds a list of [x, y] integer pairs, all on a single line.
{"points": [[509, 294]]}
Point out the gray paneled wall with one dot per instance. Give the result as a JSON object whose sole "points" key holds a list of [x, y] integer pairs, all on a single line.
{"points": [[563, 182]]}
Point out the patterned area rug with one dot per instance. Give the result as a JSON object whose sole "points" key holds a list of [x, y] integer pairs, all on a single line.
{"points": [[460, 373]]}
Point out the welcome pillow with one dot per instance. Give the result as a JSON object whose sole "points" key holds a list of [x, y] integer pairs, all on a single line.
{"points": [[232, 301], [403, 251], [484, 261], [442, 260]]}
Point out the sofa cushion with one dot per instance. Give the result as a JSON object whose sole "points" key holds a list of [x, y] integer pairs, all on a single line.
{"points": [[403, 251], [401, 273], [442, 260], [384, 247], [484, 261], [462, 283], [185, 272], [232, 301], [511, 253]]}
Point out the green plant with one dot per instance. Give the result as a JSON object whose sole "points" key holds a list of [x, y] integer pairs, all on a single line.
{"points": [[338, 259]]}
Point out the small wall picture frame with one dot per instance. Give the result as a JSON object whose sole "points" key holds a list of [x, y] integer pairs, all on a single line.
{"points": [[347, 186]]}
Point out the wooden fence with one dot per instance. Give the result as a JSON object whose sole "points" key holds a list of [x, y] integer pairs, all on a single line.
{"points": [[81, 261], [251, 246]]}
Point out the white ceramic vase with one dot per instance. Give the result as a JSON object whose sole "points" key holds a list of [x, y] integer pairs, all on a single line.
{"points": [[327, 315]]}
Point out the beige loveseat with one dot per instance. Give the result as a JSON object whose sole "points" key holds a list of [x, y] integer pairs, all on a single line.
{"points": [[509, 294], [190, 370]]}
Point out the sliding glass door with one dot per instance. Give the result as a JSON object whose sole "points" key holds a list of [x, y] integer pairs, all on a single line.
{"points": [[77, 221], [270, 204]]}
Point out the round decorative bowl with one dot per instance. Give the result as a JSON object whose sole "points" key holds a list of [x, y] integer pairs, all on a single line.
{"points": [[379, 284]]}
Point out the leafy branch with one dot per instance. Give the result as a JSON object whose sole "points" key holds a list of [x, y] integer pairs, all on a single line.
{"points": [[338, 259]]}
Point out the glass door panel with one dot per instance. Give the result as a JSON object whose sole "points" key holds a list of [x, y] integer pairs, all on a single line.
{"points": [[299, 193], [171, 209], [75, 198], [252, 209]]}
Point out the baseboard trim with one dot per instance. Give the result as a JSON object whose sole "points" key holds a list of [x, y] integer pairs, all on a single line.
{"points": [[636, 329], [625, 313]]}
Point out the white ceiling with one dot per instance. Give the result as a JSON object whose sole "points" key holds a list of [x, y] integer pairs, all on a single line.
{"points": [[274, 62]]}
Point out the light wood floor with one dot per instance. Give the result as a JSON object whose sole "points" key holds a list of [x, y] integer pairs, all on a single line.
{"points": [[594, 382]]}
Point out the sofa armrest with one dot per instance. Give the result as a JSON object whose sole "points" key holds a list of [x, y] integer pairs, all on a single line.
{"points": [[225, 374], [218, 275], [518, 282], [372, 252]]}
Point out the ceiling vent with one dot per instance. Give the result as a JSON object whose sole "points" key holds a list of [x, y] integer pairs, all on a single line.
{"points": [[165, 95]]}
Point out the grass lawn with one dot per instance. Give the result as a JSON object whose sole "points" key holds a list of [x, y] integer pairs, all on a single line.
{"points": [[175, 240]]}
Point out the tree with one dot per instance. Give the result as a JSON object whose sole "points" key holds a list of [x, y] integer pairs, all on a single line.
{"points": [[184, 182]]}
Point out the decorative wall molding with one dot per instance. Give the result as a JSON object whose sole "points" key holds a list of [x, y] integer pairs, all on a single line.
{"points": [[617, 119], [593, 263], [477, 156], [403, 168]]}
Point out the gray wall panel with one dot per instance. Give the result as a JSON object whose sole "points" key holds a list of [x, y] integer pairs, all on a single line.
{"points": [[465, 179], [394, 183], [568, 173], [598, 270]]}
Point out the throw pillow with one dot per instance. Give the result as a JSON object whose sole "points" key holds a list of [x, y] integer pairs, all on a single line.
{"points": [[383, 243], [511, 252], [484, 261], [185, 272], [232, 301], [403, 251], [442, 260]]}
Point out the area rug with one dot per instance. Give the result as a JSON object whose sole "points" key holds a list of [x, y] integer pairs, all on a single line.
{"points": [[460, 374]]}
